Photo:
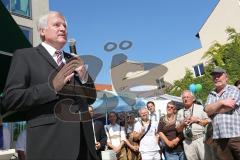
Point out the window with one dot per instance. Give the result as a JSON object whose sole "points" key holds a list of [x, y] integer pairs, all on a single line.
{"points": [[6, 3], [198, 70], [19, 7], [28, 33]]}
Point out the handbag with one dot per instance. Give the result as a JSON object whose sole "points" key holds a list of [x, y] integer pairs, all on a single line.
{"points": [[108, 155]]}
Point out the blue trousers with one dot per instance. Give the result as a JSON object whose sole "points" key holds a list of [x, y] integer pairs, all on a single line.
{"points": [[174, 155]]}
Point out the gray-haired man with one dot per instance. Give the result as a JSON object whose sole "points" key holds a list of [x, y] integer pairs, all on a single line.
{"points": [[192, 120]]}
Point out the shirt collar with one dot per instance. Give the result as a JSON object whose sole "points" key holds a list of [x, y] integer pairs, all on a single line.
{"points": [[224, 90], [51, 50], [190, 108]]}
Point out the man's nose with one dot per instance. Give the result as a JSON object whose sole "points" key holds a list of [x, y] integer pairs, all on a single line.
{"points": [[62, 27]]}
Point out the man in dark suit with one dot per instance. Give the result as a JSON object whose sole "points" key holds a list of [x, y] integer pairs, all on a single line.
{"points": [[100, 134], [53, 90]]}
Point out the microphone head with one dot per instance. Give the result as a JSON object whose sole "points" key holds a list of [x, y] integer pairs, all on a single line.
{"points": [[72, 42]]}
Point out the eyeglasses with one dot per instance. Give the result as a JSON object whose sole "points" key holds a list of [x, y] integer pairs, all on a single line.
{"points": [[170, 107]]}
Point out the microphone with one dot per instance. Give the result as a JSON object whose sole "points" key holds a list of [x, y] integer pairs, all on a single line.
{"points": [[72, 46]]}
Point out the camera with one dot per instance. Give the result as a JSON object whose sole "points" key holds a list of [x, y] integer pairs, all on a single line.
{"points": [[188, 131]]}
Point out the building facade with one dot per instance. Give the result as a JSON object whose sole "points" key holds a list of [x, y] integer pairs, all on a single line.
{"points": [[225, 14], [26, 14]]}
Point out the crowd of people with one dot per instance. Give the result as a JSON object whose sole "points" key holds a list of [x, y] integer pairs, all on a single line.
{"points": [[194, 132]]}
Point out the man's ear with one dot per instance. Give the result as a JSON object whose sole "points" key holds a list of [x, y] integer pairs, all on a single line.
{"points": [[194, 99], [226, 76], [41, 32]]}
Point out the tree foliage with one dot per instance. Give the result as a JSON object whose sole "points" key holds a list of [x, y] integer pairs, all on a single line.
{"points": [[226, 56]]}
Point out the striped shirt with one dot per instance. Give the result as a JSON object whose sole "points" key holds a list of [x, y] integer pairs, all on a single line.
{"points": [[226, 125]]}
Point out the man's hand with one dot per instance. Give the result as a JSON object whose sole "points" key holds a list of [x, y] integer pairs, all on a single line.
{"points": [[80, 68], [175, 141], [117, 149], [98, 145], [135, 148], [226, 105], [64, 75], [171, 144], [194, 119], [185, 122], [229, 102]]}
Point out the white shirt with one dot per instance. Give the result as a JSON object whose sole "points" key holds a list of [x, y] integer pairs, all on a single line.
{"points": [[154, 118], [114, 135], [149, 141], [21, 141], [51, 50], [129, 129]]}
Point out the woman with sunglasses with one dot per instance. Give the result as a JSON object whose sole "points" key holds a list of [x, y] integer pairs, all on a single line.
{"points": [[172, 140]]}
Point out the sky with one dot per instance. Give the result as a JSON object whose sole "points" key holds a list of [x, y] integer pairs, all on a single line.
{"points": [[160, 30]]}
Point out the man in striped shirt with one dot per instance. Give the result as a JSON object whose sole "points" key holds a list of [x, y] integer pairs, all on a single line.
{"points": [[223, 107]]}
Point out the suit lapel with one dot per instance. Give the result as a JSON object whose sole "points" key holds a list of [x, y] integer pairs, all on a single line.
{"points": [[41, 50]]}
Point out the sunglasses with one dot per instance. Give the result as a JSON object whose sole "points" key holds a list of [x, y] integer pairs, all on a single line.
{"points": [[129, 116], [170, 107]]}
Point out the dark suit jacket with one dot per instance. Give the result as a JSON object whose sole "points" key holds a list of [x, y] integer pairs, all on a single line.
{"points": [[100, 136], [28, 91]]}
